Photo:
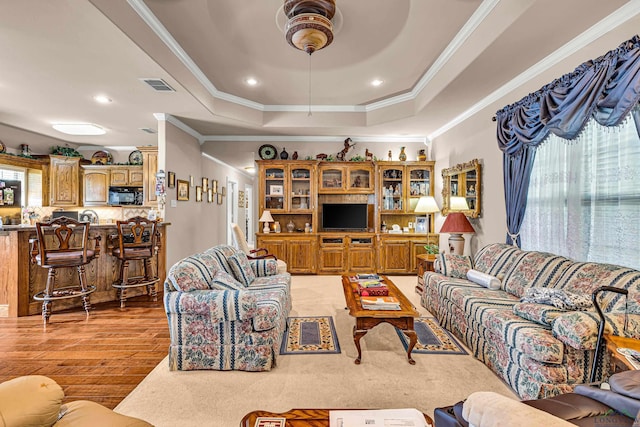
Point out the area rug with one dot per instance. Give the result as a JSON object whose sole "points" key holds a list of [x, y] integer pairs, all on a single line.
{"points": [[310, 335], [432, 338]]}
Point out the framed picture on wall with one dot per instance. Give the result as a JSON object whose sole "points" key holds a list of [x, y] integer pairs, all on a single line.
{"points": [[209, 195], [219, 198], [241, 199], [198, 193], [171, 179], [214, 186], [205, 184], [183, 190]]}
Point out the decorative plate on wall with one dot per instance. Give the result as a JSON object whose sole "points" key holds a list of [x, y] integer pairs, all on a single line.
{"points": [[101, 158], [2, 147], [267, 152], [135, 158]]}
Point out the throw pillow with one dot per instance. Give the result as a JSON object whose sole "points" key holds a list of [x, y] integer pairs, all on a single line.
{"points": [[453, 265], [224, 281], [483, 279], [241, 268]]}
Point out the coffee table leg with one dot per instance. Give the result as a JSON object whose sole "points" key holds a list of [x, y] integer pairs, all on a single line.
{"points": [[413, 339], [357, 334]]}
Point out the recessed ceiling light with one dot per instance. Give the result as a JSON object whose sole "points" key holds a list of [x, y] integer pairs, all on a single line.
{"points": [[79, 128], [250, 169], [102, 99], [251, 81], [376, 82]]}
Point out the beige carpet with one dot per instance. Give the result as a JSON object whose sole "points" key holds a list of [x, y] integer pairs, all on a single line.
{"points": [[384, 379]]}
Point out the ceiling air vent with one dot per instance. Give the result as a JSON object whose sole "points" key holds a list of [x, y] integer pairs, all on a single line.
{"points": [[159, 85]]}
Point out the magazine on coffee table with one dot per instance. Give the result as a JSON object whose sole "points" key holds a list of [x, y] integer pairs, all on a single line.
{"points": [[377, 418]]}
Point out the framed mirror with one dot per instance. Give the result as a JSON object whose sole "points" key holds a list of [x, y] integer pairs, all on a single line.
{"points": [[463, 180]]}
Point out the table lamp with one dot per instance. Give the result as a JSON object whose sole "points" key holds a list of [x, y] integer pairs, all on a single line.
{"points": [[426, 205], [457, 223], [266, 218]]}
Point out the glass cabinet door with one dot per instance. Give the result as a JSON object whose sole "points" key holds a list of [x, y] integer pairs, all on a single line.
{"points": [[301, 189], [331, 178], [360, 180], [419, 185], [274, 189], [392, 189]]}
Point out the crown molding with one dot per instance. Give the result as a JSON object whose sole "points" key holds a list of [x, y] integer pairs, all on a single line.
{"points": [[227, 165], [180, 125], [312, 138], [614, 20]]}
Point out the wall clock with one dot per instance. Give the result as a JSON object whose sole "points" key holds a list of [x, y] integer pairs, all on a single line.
{"points": [[267, 152]]}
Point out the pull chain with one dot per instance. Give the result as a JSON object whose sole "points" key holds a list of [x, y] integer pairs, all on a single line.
{"points": [[309, 113]]}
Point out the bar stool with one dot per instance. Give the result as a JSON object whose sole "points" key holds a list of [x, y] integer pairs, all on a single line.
{"points": [[137, 240], [64, 243]]}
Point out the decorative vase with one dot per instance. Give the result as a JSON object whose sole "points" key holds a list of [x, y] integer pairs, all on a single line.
{"points": [[402, 156], [291, 226], [422, 155], [284, 155], [276, 227], [389, 157], [294, 156]]}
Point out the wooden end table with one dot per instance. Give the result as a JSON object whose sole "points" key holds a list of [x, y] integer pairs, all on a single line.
{"points": [[425, 263], [299, 417], [618, 361], [368, 319]]}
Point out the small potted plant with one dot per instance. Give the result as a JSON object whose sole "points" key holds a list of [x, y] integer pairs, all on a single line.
{"points": [[432, 251]]}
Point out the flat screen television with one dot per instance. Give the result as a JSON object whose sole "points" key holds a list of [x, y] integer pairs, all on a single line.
{"points": [[344, 216]]}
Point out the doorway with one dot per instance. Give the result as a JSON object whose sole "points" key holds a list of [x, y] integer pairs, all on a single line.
{"points": [[232, 208]]}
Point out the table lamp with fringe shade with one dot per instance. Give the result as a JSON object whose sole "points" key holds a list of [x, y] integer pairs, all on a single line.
{"points": [[266, 218], [457, 223]]}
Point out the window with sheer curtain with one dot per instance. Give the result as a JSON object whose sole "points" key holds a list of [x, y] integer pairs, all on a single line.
{"points": [[584, 196]]}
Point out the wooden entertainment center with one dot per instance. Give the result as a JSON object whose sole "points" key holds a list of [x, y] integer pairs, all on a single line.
{"points": [[295, 191]]}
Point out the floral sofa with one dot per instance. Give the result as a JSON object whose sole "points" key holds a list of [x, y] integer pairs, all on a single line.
{"points": [[540, 350], [225, 311]]}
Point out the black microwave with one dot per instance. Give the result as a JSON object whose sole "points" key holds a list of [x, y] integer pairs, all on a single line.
{"points": [[125, 196]]}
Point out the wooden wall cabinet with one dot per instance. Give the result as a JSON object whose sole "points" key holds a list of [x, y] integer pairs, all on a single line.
{"points": [[129, 176], [149, 170], [346, 177], [95, 181], [64, 181], [293, 191]]}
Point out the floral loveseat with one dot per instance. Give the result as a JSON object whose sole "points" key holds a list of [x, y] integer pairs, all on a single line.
{"points": [[225, 312], [540, 350]]}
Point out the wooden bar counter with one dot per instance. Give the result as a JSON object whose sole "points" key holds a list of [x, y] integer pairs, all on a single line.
{"points": [[20, 280]]}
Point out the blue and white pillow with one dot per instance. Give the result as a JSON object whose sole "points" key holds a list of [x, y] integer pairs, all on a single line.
{"points": [[241, 268], [224, 281]]}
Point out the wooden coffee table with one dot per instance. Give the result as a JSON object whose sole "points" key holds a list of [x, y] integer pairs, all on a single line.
{"points": [[299, 417], [368, 319]]}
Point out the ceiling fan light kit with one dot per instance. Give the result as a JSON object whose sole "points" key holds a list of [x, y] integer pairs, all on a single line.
{"points": [[309, 26]]}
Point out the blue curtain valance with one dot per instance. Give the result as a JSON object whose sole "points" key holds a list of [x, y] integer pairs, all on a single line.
{"points": [[605, 89]]}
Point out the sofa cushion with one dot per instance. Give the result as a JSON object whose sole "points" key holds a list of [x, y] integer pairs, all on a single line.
{"points": [[586, 277], [529, 269], [241, 268], [195, 272], [224, 281], [265, 267], [495, 259], [452, 265], [271, 304], [87, 413], [30, 401], [540, 313], [221, 254], [484, 279], [532, 339]]}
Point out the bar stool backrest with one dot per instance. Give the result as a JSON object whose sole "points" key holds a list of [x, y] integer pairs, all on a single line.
{"points": [[137, 232], [62, 236]]}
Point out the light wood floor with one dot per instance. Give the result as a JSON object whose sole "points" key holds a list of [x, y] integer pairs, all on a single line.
{"points": [[102, 358]]}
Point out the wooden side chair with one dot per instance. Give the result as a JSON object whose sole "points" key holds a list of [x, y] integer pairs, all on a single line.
{"points": [[64, 243], [137, 240], [260, 253]]}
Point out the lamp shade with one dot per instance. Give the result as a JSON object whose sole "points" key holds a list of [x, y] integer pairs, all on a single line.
{"points": [[457, 203], [266, 217], [456, 222], [426, 204]]}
